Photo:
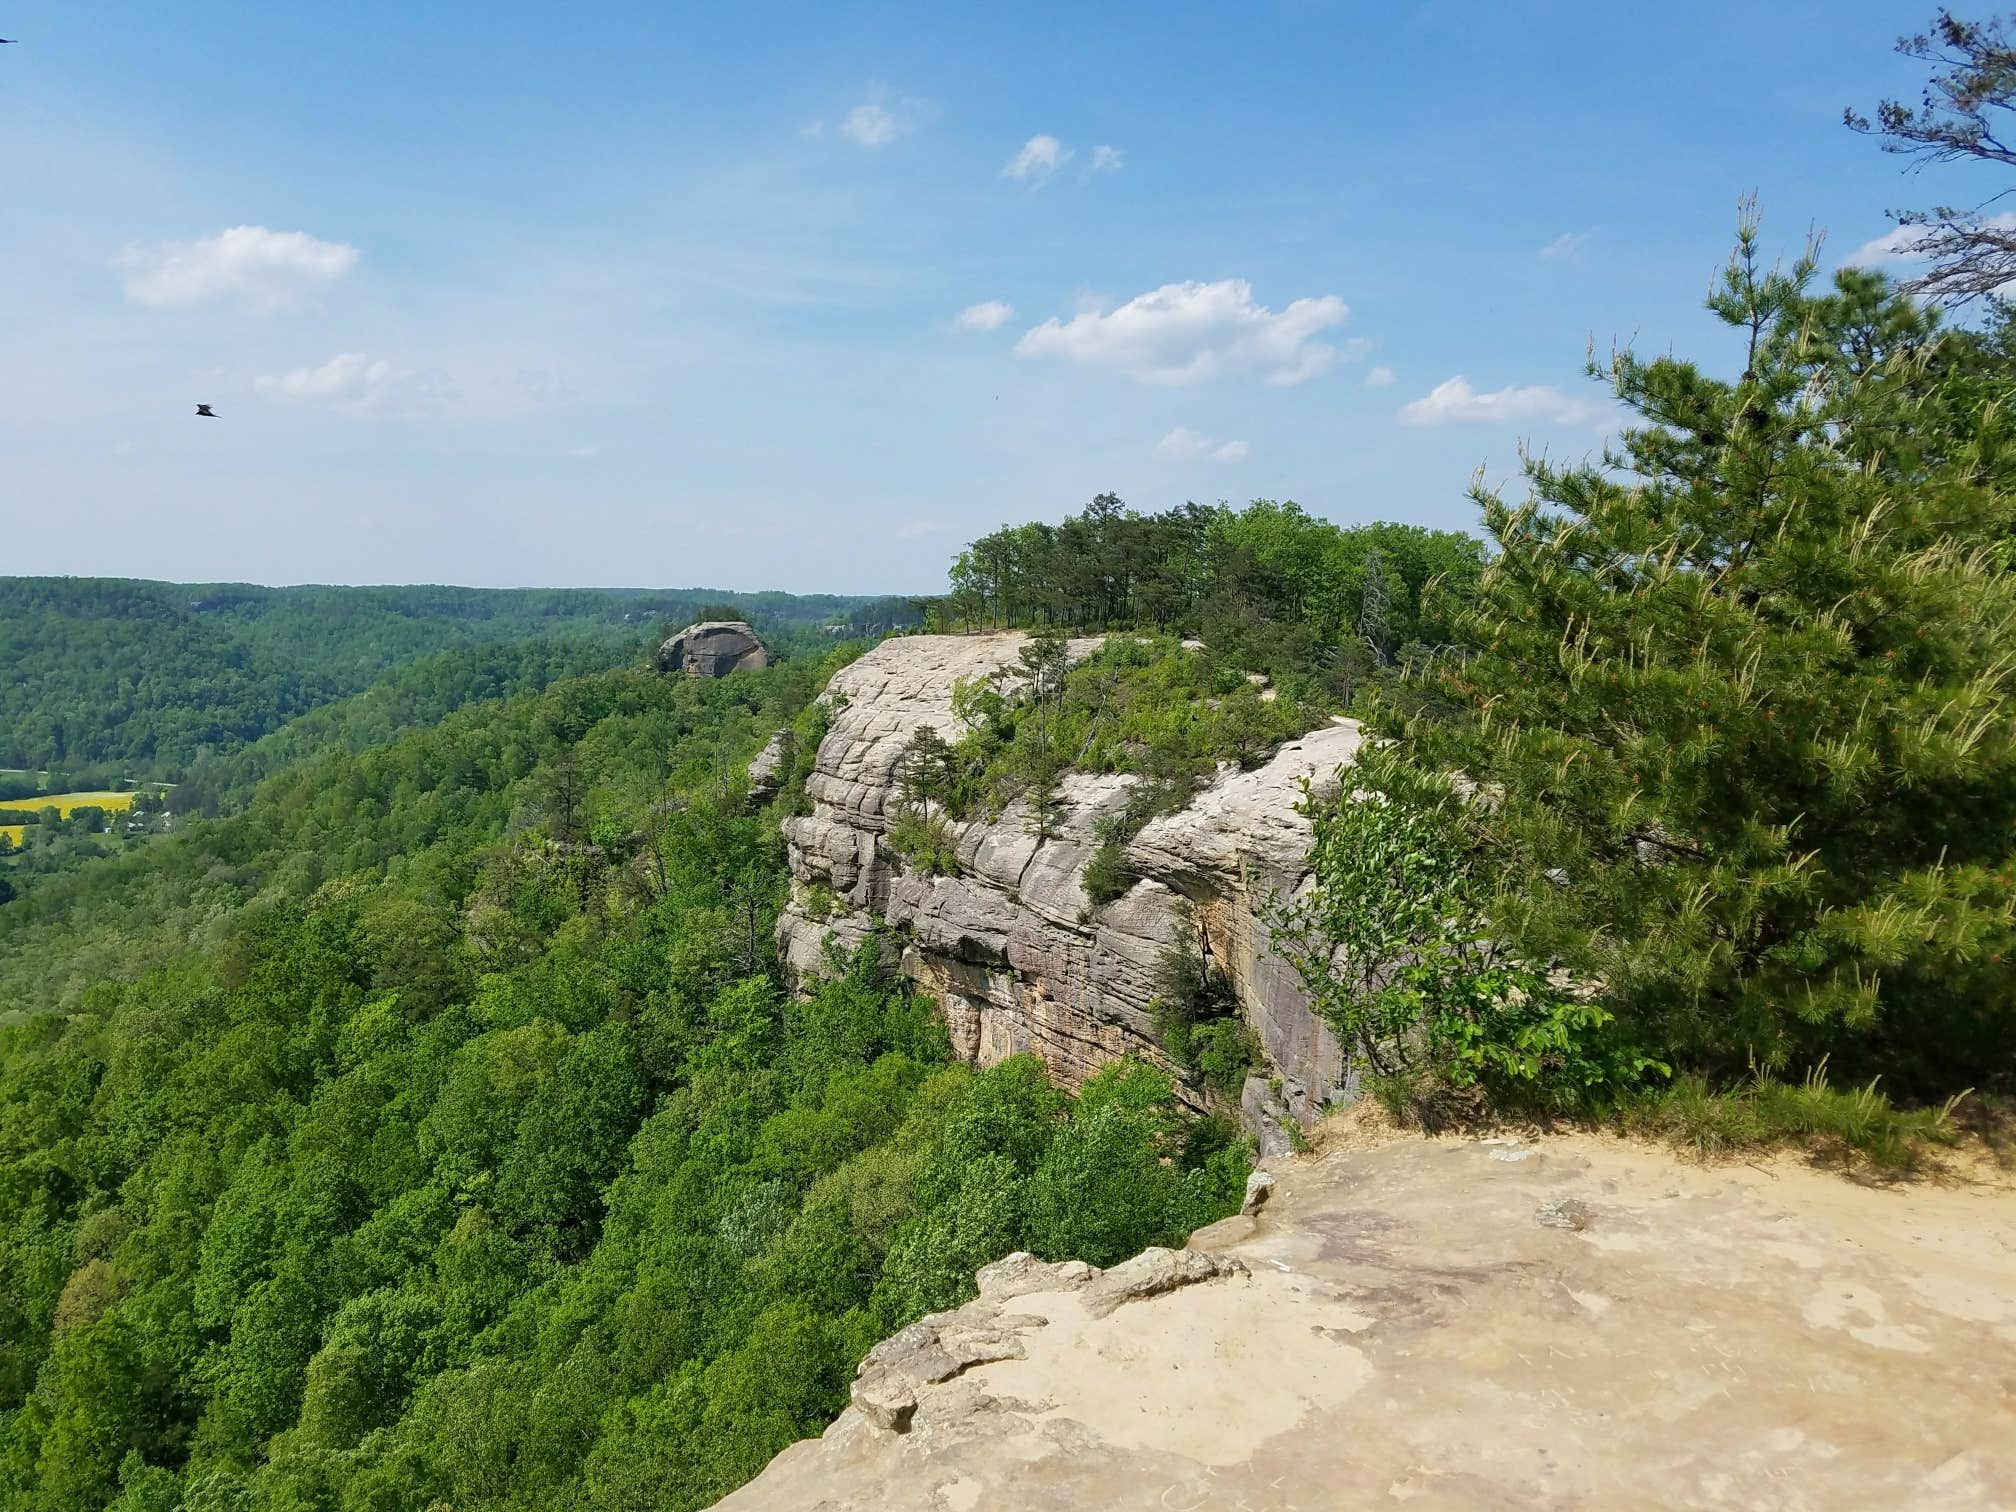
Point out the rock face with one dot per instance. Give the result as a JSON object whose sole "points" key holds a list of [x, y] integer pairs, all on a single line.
{"points": [[1011, 945], [1394, 1327], [767, 770], [713, 648]]}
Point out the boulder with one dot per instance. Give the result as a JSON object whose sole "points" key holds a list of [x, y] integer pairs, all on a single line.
{"points": [[713, 648], [1259, 1187], [1153, 1272], [899, 1371]]}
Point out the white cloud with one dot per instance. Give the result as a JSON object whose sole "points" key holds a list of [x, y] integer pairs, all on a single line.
{"points": [[1189, 332], [988, 315], [917, 529], [1185, 445], [874, 123], [1567, 245], [872, 126], [1891, 247], [1040, 157], [1899, 245], [1106, 160], [263, 270], [1379, 377], [1455, 402], [359, 385]]}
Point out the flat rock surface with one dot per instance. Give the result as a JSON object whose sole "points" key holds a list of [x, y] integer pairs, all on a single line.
{"points": [[1557, 1322]]}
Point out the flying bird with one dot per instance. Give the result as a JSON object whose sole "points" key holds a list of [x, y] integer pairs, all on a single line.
{"points": [[206, 412]]}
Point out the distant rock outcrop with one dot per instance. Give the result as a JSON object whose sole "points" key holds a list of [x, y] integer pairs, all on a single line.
{"points": [[713, 648], [1011, 945]]}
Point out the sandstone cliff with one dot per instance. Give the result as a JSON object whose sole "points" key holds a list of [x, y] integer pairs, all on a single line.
{"points": [[1461, 1323], [713, 648], [1011, 946]]}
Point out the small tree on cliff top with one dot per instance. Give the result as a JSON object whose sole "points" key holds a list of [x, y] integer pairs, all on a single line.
{"points": [[1740, 704]]}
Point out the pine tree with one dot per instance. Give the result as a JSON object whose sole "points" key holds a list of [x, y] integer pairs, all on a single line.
{"points": [[1740, 711], [925, 775], [1043, 791]]}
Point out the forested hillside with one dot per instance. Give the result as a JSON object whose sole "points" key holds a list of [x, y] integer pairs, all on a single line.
{"points": [[152, 679], [435, 1131]]}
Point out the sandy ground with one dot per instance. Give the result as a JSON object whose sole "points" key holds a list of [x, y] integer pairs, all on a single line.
{"points": [[1409, 1331]]}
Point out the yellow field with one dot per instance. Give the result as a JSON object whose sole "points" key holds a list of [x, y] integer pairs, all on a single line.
{"points": [[63, 803], [14, 832]]}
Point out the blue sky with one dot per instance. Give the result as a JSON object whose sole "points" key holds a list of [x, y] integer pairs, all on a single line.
{"points": [[806, 297]]}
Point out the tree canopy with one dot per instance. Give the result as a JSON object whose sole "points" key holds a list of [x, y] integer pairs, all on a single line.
{"points": [[436, 1130], [1734, 733]]}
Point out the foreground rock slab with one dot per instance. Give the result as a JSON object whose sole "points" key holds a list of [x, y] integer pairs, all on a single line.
{"points": [[1422, 1323]]}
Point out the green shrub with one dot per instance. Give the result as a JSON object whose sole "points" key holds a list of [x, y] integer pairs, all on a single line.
{"points": [[1766, 1110], [1106, 875], [1391, 945], [1196, 1018], [1223, 1050], [925, 841]]}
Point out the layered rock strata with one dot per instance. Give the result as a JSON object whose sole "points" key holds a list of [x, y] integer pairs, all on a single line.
{"points": [[1011, 945]]}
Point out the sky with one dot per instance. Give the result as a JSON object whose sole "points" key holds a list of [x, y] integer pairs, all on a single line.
{"points": [[808, 296]]}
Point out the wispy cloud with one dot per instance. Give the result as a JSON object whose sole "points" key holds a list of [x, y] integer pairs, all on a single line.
{"points": [[878, 121], [260, 269], [988, 315], [1565, 247], [917, 529], [1189, 332], [1038, 161], [1379, 377], [359, 385], [1185, 445], [1106, 160], [1454, 402]]}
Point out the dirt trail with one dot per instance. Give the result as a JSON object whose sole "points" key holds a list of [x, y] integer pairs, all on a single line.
{"points": [[1557, 1321]]}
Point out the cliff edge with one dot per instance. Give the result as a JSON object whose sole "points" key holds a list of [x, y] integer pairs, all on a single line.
{"points": [[1012, 946], [1458, 1323]]}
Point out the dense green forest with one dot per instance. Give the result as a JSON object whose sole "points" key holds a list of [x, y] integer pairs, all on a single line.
{"points": [[152, 679], [439, 1133]]}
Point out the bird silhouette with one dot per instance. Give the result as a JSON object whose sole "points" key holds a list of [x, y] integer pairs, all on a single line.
{"points": [[206, 412]]}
